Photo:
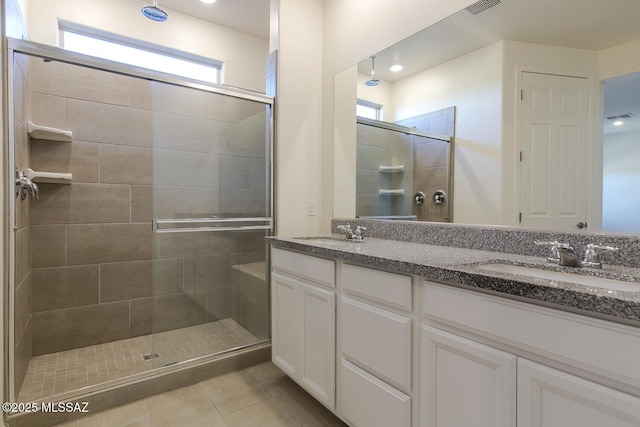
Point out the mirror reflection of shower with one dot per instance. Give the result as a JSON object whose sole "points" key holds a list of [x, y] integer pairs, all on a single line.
{"points": [[400, 167]]}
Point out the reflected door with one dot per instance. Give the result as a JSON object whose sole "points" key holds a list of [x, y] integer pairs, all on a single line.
{"points": [[553, 166]]}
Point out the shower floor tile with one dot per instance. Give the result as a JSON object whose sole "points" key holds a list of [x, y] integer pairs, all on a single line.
{"points": [[64, 371]]}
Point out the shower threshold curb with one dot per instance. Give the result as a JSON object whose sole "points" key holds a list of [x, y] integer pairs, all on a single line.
{"points": [[141, 386]]}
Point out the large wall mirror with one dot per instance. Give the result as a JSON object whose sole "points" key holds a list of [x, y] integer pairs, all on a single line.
{"points": [[540, 100]]}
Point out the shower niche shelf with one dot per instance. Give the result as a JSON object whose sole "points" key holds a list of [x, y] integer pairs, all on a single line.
{"points": [[393, 192], [49, 177], [391, 169], [48, 133]]}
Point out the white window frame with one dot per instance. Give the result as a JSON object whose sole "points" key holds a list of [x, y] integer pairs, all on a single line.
{"points": [[375, 109], [171, 61]]}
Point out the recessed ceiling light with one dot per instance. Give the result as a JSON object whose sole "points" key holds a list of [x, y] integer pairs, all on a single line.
{"points": [[396, 67], [208, 1], [618, 122], [620, 118]]}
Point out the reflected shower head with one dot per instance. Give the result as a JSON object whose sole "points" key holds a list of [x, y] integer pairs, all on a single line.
{"points": [[154, 12], [373, 81]]}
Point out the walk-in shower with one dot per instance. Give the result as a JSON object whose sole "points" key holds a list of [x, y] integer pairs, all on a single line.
{"points": [[145, 248]]}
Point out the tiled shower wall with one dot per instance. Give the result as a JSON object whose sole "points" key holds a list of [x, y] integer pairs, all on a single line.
{"points": [[380, 147], [140, 150]]}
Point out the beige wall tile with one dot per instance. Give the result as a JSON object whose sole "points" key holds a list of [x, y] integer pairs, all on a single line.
{"points": [[79, 327], [125, 165], [95, 122], [81, 159], [251, 303], [57, 78], [65, 287], [125, 280], [23, 304], [188, 245], [185, 202], [141, 203], [23, 253], [101, 243], [184, 133], [241, 202], [234, 172], [50, 245], [164, 312], [81, 203], [430, 153], [23, 148], [173, 99], [185, 169], [49, 110]]}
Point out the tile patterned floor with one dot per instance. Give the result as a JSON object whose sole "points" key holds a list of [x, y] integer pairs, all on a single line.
{"points": [[260, 396], [56, 373]]}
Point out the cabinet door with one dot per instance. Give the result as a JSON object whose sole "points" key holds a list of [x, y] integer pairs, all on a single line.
{"points": [[464, 383], [550, 398], [284, 324], [318, 357]]}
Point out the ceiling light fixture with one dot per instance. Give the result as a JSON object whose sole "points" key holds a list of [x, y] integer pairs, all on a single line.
{"points": [[395, 68], [208, 1], [619, 119]]}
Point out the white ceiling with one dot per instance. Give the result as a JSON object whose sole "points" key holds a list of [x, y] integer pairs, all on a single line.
{"points": [[248, 16], [579, 24]]}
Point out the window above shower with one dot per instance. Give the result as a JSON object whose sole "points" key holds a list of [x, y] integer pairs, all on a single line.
{"points": [[104, 45]]}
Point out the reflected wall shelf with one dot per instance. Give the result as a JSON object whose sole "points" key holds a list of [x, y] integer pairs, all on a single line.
{"points": [[391, 169], [395, 192], [49, 177], [48, 133]]}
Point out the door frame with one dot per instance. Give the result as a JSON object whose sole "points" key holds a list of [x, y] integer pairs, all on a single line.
{"points": [[595, 109]]}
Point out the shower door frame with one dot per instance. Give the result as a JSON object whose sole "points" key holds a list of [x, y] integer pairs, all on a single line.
{"points": [[16, 46]]}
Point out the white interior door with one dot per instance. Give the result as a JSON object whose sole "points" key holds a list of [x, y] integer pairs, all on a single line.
{"points": [[554, 141]]}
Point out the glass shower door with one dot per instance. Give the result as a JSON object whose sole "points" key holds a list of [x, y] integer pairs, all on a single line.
{"points": [[211, 202]]}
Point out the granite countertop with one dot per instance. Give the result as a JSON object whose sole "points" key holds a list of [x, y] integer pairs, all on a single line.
{"points": [[463, 268]]}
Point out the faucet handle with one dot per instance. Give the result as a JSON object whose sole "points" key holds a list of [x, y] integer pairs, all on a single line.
{"points": [[554, 254], [592, 258], [344, 228]]}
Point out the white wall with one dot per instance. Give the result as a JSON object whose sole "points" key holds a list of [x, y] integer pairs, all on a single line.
{"points": [[473, 84], [619, 60], [621, 182], [243, 55], [298, 114]]}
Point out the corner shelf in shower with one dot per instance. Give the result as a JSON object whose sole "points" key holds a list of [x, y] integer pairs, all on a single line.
{"points": [[48, 133], [394, 192], [49, 177], [391, 169]]}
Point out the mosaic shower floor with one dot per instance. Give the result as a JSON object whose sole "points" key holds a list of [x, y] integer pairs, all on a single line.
{"points": [[64, 371]]}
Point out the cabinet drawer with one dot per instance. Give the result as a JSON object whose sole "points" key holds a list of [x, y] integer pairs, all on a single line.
{"points": [[380, 286], [377, 340], [310, 268], [369, 402]]}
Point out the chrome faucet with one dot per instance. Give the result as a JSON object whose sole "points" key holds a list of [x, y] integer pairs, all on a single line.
{"points": [[350, 234], [565, 255]]}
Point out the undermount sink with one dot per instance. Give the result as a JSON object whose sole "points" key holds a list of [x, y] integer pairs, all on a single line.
{"points": [[559, 276]]}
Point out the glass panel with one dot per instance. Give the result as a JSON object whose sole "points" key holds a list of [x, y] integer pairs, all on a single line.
{"points": [[211, 207]]}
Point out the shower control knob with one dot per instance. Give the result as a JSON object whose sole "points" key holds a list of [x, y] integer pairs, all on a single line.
{"points": [[439, 197], [418, 198]]}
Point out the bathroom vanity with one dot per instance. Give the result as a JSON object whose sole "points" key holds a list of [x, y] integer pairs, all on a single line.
{"points": [[395, 333]]}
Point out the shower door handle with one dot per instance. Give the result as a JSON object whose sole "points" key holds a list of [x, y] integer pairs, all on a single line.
{"points": [[193, 225]]}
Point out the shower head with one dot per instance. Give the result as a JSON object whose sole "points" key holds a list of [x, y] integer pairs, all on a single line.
{"points": [[154, 12], [373, 81]]}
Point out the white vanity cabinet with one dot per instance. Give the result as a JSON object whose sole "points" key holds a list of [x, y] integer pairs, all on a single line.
{"points": [[375, 347], [465, 383], [303, 305], [469, 381]]}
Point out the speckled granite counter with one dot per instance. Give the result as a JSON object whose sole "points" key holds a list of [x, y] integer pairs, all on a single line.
{"points": [[462, 267]]}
